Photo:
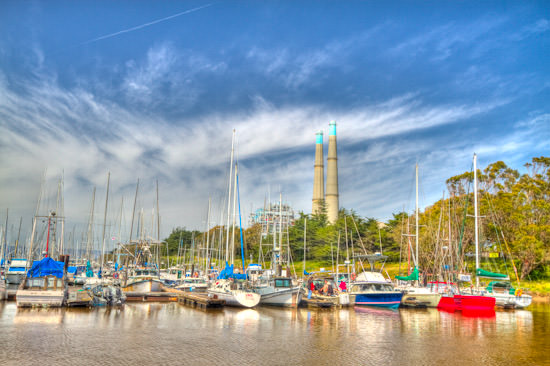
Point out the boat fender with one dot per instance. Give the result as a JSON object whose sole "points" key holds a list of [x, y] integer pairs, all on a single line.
{"points": [[518, 292], [115, 275], [353, 276]]}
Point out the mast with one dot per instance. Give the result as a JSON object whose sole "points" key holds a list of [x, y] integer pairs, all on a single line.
{"points": [[416, 217], [234, 216], [105, 220], [305, 233], [240, 222], [207, 266], [229, 198], [90, 227], [133, 213], [476, 218]]}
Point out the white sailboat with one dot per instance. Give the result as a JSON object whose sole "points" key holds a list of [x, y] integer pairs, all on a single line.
{"points": [[233, 288], [275, 286], [415, 295], [500, 288]]}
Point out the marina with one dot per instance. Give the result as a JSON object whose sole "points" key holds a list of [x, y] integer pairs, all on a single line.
{"points": [[275, 183], [143, 333]]}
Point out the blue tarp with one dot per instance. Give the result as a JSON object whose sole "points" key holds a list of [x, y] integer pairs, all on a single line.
{"points": [[71, 269], [227, 273], [305, 273], [46, 267]]}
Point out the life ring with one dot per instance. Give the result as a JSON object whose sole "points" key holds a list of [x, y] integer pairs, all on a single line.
{"points": [[115, 275], [518, 292], [353, 276]]}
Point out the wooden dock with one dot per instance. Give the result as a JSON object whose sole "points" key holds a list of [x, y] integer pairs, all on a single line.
{"points": [[151, 296], [200, 300]]}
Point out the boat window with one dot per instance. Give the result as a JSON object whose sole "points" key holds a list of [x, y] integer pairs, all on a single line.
{"points": [[51, 282], [59, 283], [282, 283], [138, 273]]}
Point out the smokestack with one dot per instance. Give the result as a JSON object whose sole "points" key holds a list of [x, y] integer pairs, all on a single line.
{"points": [[331, 197], [318, 175]]}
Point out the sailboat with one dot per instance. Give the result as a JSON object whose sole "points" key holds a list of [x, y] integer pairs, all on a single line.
{"points": [[415, 295], [275, 286], [46, 281], [478, 303], [233, 287]]}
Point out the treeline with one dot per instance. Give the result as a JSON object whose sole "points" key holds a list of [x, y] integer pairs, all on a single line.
{"points": [[514, 229]]}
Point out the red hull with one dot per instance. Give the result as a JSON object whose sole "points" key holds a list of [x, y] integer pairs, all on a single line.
{"points": [[469, 303]]}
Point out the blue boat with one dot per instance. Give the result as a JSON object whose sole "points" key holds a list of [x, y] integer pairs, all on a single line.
{"points": [[371, 288]]}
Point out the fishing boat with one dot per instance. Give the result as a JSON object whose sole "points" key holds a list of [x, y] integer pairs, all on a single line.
{"points": [[143, 279], [45, 285], [372, 288], [275, 290]]}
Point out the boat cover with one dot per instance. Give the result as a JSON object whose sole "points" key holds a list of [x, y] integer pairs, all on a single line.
{"points": [[412, 277], [483, 273], [227, 273], [46, 267]]}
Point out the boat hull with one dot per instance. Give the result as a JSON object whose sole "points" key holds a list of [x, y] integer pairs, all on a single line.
{"points": [[33, 298], [381, 299], [143, 286], [289, 297], [416, 300], [470, 303], [237, 298]]}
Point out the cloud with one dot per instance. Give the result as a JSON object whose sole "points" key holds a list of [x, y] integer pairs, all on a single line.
{"points": [[83, 135], [297, 67], [444, 41]]}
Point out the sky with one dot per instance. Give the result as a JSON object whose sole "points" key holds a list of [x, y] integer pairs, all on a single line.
{"points": [[152, 91]]}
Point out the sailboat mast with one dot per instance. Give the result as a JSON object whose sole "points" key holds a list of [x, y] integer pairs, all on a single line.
{"points": [[476, 218], [229, 198], [105, 220], [207, 266], [305, 233], [416, 217]]}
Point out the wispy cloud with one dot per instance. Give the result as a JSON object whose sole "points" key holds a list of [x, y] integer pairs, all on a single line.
{"points": [[440, 43], [75, 131]]}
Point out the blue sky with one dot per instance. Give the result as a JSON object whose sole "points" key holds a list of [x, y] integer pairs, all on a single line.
{"points": [[152, 90]]}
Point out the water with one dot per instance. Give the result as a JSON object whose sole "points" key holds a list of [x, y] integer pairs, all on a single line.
{"points": [[147, 333]]}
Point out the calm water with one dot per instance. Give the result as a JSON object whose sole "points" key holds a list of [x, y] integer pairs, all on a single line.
{"points": [[142, 334]]}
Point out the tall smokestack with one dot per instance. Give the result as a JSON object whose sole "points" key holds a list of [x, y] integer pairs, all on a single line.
{"points": [[318, 175], [331, 196]]}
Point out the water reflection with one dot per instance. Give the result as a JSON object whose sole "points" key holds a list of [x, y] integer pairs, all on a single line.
{"points": [[170, 333]]}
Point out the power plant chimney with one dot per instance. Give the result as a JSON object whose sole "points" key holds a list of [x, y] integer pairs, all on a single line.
{"points": [[331, 197], [318, 175]]}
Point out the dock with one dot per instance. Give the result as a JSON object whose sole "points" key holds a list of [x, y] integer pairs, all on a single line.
{"points": [[151, 296], [200, 300]]}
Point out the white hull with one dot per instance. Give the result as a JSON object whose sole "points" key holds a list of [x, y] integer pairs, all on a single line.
{"points": [[143, 286], [288, 297], [48, 298], [3, 291], [417, 299], [239, 298], [505, 300]]}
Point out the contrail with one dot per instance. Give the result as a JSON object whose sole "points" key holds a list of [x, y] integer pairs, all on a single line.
{"points": [[145, 25]]}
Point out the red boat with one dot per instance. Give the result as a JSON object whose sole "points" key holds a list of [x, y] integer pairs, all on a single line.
{"points": [[467, 303]]}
